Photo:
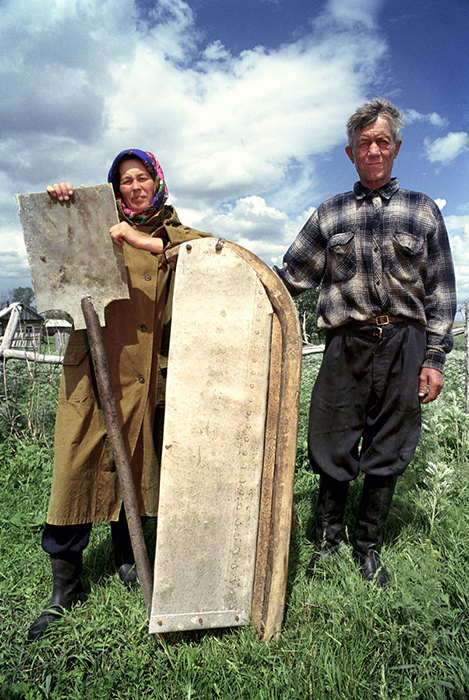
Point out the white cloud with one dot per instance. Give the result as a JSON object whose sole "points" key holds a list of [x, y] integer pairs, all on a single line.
{"points": [[250, 222], [241, 138], [352, 13], [441, 203], [88, 78], [447, 148], [14, 264], [236, 124], [216, 51], [412, 115]]}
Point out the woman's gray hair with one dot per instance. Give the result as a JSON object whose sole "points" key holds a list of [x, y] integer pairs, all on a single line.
{"points": [[369, 113]]}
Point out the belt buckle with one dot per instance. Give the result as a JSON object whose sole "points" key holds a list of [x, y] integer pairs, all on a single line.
{"points": [[382, 320]]}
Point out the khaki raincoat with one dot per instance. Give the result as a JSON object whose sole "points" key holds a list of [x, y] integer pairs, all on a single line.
{"points": [[85, 485]]}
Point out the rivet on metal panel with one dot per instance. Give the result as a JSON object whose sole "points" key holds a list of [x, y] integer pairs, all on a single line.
{"points": [[201, 620], [237, 618], [188, 247], [160, 622]]}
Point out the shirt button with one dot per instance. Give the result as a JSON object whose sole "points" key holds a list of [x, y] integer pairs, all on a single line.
{"points": [[147, 278], [143, 328], [141, 380]]}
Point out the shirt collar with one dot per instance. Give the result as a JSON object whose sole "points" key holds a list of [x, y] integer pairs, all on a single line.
{"points": [[386, 191]]}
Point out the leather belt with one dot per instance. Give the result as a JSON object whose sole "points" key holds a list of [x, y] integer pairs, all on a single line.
{"points": [[379, 322], [383, 320]]}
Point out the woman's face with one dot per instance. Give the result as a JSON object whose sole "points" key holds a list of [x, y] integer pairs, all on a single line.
{"points": [[136, 184]]}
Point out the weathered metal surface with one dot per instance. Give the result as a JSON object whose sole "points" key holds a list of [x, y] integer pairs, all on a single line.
{"points": [[214, 434], [70, 251]]}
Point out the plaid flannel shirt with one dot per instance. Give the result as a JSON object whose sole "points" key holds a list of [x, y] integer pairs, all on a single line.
{"points": [[376, 252]]}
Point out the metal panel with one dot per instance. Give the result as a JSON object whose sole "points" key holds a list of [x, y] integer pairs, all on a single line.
{"points": [[213, 442], [70, 251]]}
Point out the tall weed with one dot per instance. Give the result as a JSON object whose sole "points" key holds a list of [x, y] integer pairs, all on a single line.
{"points": [[28, 401]]}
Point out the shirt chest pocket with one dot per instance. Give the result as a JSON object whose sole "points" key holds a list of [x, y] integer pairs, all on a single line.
{"points": [[341, 257], [407, 256]]}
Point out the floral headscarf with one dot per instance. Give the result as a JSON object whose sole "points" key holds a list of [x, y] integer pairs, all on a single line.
{"points": [[161, 191]]}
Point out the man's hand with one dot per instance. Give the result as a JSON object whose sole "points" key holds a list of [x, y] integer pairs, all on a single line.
{"points": [[430, 384]]}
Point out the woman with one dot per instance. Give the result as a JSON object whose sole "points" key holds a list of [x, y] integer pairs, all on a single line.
{"points": [[85, 487]]}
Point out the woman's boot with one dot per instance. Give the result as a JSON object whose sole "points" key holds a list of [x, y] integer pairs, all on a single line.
{"points": [[67, 590], [372, 513], [332, 499], [123, 553]]}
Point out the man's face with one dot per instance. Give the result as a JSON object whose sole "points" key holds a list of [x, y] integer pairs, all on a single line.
{"points": [[373, 153]]}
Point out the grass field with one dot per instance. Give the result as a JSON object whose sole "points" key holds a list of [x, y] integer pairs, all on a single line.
{"points": [[342, 637]]}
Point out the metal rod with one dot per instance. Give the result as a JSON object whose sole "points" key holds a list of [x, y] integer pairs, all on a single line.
{"points": [[114, 432]]}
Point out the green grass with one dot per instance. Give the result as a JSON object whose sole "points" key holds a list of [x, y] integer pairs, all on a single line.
{"points": [[342, 638]]}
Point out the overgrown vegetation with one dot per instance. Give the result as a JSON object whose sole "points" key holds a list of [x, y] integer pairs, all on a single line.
{"points": [[306, 304], [342, 638], [28, 396]]}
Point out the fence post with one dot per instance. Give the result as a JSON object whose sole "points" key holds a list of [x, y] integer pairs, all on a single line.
{"points": [[10, 331], [466, 346]]}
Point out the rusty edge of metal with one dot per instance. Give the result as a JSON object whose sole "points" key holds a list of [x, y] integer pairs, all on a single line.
{"points": [[276, 506], [116, 439]]}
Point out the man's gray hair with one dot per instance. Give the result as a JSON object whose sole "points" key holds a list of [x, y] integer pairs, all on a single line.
{"points": [[369, 113]]}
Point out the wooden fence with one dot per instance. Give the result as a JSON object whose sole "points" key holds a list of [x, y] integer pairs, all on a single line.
{"points": [[14, 346]]}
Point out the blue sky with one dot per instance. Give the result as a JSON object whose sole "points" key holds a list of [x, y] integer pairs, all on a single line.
{"points": [[244, 102]]}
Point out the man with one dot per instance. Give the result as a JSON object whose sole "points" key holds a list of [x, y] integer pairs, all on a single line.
{"points": [[387, 301]]}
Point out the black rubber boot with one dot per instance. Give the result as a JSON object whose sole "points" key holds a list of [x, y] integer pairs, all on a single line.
{"points": [[372, 513], [330, 510], [123, 553], [67, 590]]}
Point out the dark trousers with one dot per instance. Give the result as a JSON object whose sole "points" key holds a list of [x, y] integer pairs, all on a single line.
{"points": [[62, 540], [365, 409]]}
